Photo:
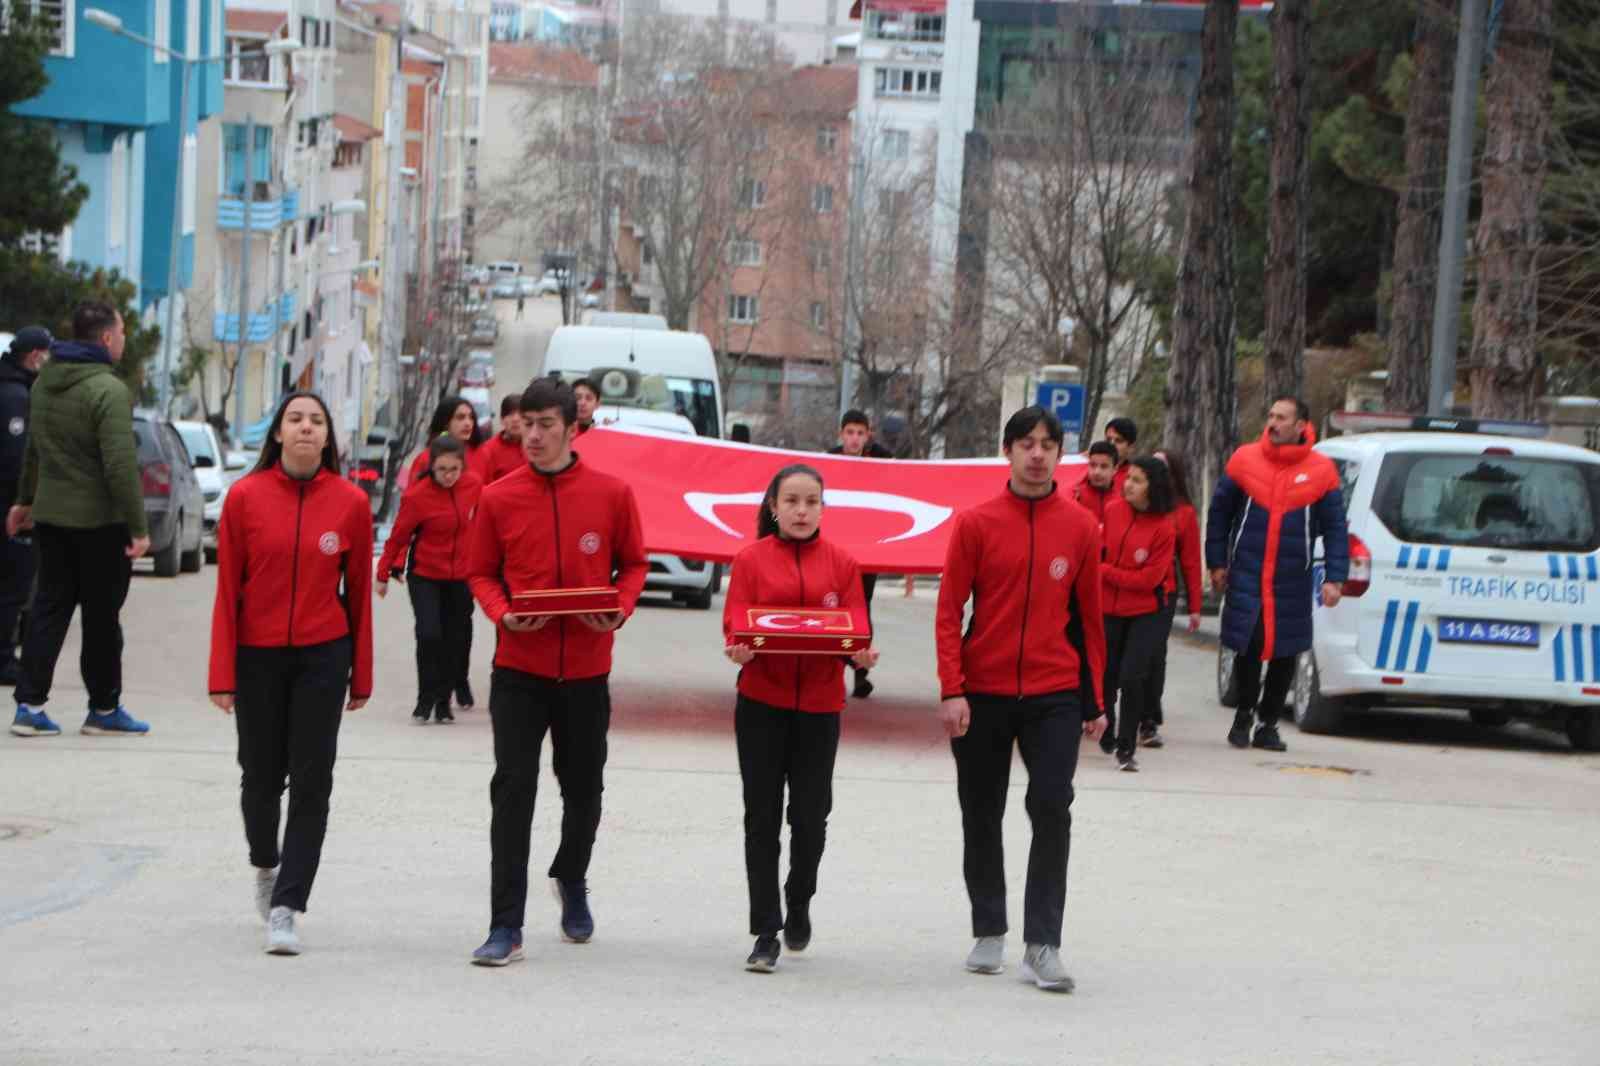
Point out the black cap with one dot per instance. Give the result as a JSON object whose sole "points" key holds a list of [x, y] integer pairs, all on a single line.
{"points": [[30, 339]]}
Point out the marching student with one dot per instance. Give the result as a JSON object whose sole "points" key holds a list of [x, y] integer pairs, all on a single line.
{"points": [[786, 718], [1123, 435], [587, 392], [502, 454], [1138, 559], [1029, 560], [855, 439], [457, 418], [435, 528], [1099, 485], [1186, 564], [291, 635], [556, 523]]}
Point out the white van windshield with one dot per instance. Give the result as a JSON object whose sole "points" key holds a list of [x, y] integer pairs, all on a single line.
{"points": [[693, 398], [1498, 501]]}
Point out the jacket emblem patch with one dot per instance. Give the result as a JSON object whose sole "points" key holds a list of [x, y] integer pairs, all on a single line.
{"points": [[831, 600], [1058, 567], [328, 543], [589, 543]]}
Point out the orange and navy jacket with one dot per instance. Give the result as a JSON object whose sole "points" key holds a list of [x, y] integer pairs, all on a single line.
{"points": [[1138, 560], [1094, 500], [578, 528], [497, 457], [1186, 524], [435, 527], [1029, 566], [294, 568], [775, 572], [1270, 507]]}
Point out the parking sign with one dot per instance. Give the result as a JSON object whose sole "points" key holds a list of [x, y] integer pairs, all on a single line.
{"points": [[1065, 402]]}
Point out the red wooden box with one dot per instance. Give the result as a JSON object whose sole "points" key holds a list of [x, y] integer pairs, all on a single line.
{"points": [[597, 600], [805, 630]]}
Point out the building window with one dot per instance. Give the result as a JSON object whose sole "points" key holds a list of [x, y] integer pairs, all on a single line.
{"points": [[247, 62], [896, 27], [163, 29], [896, 144], [820, 256], [822, 199], [234, 179], [117, 195], [469, 217], [904, 81], [819, 315], [191, 29], [756, 386], [752, 194], [191, 153], [827, 139], [58, 17], [742, 308], [745, 252]]}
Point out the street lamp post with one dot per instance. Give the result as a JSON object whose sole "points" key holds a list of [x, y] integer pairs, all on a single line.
{"points": [[107, 21]]}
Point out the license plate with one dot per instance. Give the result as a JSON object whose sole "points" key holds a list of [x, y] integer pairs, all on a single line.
{"points": [[1483, 631]]}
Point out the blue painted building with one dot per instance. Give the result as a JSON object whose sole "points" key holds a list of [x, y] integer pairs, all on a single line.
{"points": [[114, 104]]}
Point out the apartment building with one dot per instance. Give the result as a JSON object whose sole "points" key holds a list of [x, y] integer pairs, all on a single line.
{"points": [[463, 25]]}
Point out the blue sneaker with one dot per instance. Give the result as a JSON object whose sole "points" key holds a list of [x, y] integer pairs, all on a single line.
{"points": [[119, 723], [503, 946], [577, 924], [31, 722]]}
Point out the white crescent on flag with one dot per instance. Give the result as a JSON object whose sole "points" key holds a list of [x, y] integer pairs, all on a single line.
{"points": [[924, 516]]}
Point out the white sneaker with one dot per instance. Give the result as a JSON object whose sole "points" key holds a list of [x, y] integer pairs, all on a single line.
{"points": [[281, 937], [265, 882], [988, 955], [1041, 964]]}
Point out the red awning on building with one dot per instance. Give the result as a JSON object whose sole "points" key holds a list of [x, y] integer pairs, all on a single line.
{"points": [[901, 7]]}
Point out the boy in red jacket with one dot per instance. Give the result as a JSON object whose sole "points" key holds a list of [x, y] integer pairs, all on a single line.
{"points": [[1030, 561], [555, 523]]}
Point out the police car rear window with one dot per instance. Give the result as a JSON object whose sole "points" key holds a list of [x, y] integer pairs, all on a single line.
{"points": [[1492, 501]]}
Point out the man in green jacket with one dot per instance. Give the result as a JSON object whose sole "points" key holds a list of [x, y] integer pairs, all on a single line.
{"points": [[80, 493]]}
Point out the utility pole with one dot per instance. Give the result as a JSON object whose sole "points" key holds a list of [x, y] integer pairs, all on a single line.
{"points": [[240, 370], [1457, 188], [851, 332]]}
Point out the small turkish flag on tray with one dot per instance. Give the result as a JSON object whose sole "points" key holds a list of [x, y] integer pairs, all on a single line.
{"points": [[805, 630], [597, 600]]}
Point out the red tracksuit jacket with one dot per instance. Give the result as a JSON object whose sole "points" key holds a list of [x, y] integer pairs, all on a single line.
{"points": [[774, 572], [575, 529], [1186, 526], [1138, 559], [441, 521], [1094, 500], [283, 549], [497, 457], [1027, 565], [475, 457]]}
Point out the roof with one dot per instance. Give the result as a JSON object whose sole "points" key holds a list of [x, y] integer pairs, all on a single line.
{"points": [[543, 64], [819, 90], [353, 129], [262, 23], [1455, 444]]}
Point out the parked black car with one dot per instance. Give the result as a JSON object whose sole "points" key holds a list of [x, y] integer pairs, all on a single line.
{"points": [[173, 502]]}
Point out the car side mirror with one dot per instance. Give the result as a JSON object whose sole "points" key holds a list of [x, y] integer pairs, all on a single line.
{"points": [[202, 462], [234, 461]]}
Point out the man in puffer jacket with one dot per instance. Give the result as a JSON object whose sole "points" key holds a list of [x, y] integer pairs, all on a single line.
{"points": [[1275, 499]]}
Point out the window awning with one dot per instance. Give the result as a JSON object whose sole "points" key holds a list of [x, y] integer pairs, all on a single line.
{"points": [[900, 7]]}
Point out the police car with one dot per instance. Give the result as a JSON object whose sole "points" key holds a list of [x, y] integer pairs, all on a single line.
{"points": [[1474, 577]]}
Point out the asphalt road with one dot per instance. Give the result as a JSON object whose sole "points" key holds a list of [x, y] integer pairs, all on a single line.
{"points": [[1421, 892]]}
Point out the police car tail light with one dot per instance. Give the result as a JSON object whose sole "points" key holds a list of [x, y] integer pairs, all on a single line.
{"points": [[1360, 578]]}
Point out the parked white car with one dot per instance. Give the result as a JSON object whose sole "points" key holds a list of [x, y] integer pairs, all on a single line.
{"points": [[215, 469], [1474, 578]]}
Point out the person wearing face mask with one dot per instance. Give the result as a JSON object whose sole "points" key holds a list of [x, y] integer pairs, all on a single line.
{"points": [[557, 523], [434, 527], [1009, 678], [1139, 549], [1185, 564], [786, 718], [1099, 485], [457, 418], [502, 454], [291, 645]]}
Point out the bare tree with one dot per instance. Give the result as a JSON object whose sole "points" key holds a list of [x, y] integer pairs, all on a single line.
{"points": [[1415, 277], [1202, 408], [1076, 205], [1288, 204]]}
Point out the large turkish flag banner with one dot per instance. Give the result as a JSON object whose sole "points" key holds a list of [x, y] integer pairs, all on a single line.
{"points": [[698, 497]]}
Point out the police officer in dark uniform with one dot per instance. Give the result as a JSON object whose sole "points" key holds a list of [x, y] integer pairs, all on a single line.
{"points": [[18, 367]]}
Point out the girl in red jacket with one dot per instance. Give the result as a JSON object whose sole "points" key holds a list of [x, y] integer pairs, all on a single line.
{"points": [[456, 418], [1138, 545], [435, 527], [786, 719], [1186, 564], [291, 634]]}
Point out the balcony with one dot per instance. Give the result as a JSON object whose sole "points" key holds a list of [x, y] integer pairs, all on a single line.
{"points": [[274, 315], [266, 212]]}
